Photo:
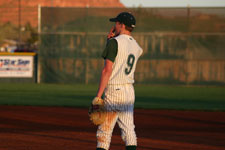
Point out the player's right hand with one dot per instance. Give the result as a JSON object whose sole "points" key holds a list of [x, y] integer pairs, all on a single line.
{"points": [[111, 33]]}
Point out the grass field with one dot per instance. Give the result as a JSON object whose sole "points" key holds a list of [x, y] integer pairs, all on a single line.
{"points": [[147, 96]]}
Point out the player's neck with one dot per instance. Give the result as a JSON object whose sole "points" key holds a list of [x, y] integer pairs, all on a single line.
{"points": [[125, 32]]}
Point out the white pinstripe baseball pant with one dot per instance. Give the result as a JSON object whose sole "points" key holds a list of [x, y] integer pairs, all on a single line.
{"points": [[119, 102]]}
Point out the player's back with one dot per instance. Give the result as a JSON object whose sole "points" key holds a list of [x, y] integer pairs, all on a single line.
{"points": [[125, 63]]}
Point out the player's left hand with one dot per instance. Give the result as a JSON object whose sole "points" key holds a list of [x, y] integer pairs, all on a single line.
{"points": [[97, 112]]}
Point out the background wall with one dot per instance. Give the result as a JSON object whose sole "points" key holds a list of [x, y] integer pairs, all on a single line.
{"points": [[181, 45]]}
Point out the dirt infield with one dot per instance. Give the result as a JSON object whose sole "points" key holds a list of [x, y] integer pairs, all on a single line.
{"points": [[59, 128]]}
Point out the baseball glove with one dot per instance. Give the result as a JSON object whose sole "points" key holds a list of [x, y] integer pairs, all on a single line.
{"points": [[97, 113]]}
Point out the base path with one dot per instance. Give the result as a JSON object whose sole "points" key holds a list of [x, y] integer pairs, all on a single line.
{"points": [[61, 128]]}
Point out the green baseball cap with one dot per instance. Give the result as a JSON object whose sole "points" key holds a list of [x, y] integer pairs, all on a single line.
{"points": [[125, 18]]}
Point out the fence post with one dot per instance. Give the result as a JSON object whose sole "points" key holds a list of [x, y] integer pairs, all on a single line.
{"points": [[39, 39]]}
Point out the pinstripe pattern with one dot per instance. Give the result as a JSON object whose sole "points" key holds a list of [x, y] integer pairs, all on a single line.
{"points": [[119, 96], [126, 45]]}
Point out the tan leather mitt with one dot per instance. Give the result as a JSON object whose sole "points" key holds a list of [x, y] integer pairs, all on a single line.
{"points": [[97, 113]]}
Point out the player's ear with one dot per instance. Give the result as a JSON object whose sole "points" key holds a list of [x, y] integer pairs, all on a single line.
{"points": [[123, 25]]}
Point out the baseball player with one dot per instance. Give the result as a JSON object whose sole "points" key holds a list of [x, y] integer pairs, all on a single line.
{"points": [[117, 78]]}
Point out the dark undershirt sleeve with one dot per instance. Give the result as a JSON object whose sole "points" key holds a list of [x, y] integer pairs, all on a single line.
{"points": [[111, 50]]}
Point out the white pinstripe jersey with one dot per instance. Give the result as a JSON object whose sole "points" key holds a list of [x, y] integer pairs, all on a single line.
{"points": [[125, 62]]}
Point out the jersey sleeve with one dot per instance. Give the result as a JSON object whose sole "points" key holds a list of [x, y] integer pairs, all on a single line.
{"points": [[111, 50]]}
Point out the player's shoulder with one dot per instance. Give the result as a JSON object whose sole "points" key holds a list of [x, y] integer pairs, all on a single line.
{"points": [[121, 37], [135, 43], [112, 41], [137, 46]]}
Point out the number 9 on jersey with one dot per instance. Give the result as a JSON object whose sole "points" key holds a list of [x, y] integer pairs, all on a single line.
{"points": [[130, 64]]}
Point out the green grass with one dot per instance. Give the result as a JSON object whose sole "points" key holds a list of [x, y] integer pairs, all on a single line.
{"points": [[181, 97], [147, 96]]}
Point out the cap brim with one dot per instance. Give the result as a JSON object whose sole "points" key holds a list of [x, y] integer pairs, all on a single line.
{"points": [[113, 19]]}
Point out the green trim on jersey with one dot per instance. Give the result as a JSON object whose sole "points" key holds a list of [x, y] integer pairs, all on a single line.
{"points": [[111, 50]]}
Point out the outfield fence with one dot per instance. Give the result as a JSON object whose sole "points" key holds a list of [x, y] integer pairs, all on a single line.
{"points": [[181, 45], [167, 58]]}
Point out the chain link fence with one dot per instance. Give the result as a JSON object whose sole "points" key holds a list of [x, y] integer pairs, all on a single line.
{"points": [[181, 45]]}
